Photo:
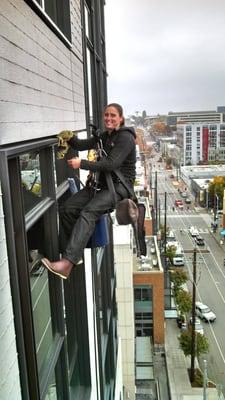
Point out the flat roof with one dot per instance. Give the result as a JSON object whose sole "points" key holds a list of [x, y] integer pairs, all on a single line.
{"points": [[143, 349], [204, 168]]}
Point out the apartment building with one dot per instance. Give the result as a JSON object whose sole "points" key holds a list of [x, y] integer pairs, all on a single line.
{"points": [[57, 340], [201, 142]]}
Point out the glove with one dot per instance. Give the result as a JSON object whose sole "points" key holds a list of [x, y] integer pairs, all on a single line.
{"points": [[63, 146], [92, 155]]}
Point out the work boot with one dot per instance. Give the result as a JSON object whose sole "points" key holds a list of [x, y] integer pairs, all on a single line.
{"points": [[61, 268]]}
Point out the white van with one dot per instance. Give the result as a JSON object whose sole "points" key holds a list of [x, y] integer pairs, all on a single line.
{"points": [[178, 259]]}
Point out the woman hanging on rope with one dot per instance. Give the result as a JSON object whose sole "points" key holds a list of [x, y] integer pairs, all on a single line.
{"points": [[80, 212]]}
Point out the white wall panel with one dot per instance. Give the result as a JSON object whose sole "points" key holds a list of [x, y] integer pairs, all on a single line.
{"points": [[41, 80]]}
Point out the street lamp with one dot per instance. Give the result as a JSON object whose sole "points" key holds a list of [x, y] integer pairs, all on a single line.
{"points": [[193, 336], [205, 380], [216, 206], [207, 199]]}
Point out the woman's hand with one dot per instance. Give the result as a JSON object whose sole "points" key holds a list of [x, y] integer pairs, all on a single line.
{"points": [[74, 162]]}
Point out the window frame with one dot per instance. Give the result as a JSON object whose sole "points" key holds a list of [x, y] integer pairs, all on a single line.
{"points": [[34, 385], [38, 9]]}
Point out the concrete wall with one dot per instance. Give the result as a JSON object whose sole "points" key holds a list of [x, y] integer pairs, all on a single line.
{"points": [[156, 280], [41, 80], [9, 376], [123, 253]]}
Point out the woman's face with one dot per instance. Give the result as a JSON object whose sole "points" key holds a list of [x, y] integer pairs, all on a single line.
{"points": [[112, 119]]}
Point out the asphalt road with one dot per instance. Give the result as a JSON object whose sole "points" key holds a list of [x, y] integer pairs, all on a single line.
{"points": [[210, 270]]}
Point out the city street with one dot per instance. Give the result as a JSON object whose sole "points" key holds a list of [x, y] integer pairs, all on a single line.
{"points": [[210, 269]]}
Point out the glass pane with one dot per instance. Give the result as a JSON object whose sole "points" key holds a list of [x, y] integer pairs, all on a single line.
{"points": [[31, 179], [41, 311], [51, 393], [51, 10], [89, 76], [40, 296], [87, 16]]}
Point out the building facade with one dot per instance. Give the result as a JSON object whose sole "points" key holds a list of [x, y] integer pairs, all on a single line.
{"points": [[201, 116], [57, 340], [201, 142]]}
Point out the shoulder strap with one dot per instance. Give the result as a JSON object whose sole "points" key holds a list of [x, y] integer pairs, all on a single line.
{"points": [[123, 181]]}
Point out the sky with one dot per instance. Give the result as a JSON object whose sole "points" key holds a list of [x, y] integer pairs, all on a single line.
{"points": [[165, 55]]}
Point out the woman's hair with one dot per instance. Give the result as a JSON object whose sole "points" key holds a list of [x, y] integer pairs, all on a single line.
{"points": [[119, 108]]}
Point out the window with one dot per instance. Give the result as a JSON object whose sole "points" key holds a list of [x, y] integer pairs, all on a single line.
{"points": [[46, 316], [95, 73], [56, 13], [31, 179]]}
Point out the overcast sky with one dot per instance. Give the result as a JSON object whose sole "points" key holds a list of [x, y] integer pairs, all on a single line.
{"points": [[165, 55]]}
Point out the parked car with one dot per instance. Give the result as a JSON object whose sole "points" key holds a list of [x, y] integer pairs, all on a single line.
{"points": [[181, 322], [204, 312], [170, 237], [193, 231], [184, 194], [198, 326], [172, 176], [199, 240]]}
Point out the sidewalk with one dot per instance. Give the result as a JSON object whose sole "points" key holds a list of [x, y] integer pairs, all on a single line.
{"points": [[177, 364], [216, 235]]}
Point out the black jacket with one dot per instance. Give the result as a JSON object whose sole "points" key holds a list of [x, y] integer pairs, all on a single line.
{"points": [[120, 149]]}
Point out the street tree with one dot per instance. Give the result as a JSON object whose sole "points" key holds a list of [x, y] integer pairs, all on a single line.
{"points": [[178, 277], [183, 301], [216, 187], [185, 340], [170, 252]]}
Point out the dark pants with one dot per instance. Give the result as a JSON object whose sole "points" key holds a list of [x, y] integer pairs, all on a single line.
{"points": [[78, 216]]}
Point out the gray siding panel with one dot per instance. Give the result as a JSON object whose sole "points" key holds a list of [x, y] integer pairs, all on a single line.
{"points": [[41, 80], [9, 378]]}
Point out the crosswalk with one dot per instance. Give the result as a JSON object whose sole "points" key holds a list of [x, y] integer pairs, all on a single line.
{"points": [[185, 230], [177, 211]]}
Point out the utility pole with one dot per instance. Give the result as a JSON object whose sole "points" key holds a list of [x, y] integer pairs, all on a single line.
{"points": [[193, 336], [165, 226], [159, 215], [156, 204], [215, 207]]}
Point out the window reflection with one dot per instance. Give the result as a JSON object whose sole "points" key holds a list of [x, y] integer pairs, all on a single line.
{"points": [[40, 295], [41, 313], [31, 179], [51, 394], [89, 76]]}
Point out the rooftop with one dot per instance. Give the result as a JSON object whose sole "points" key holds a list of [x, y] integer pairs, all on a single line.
{"points": [[152, 261]]}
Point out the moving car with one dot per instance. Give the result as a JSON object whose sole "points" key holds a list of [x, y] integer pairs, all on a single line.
{"points": [[178, 202], [187, 200], [204, 312], [199, 240], [193, 231], [184, 194]]}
